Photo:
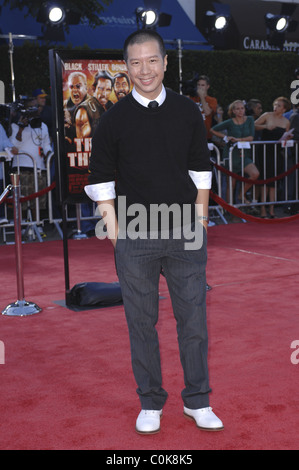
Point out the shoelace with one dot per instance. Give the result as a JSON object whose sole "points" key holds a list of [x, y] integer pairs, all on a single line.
{"points": [[208, 409]]}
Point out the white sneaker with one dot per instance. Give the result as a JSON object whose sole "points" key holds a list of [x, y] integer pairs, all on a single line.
{"points": [[148, 421], [3, 221], [205, 419]]}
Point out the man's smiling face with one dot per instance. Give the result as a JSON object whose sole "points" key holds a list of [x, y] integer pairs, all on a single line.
{"points": [[146, 68]]}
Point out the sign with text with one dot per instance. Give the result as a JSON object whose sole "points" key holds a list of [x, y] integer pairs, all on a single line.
{"points": [[250, 43], [85, 84]]}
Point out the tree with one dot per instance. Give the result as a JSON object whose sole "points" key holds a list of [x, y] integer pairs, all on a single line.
{"points": [[90, 10]]}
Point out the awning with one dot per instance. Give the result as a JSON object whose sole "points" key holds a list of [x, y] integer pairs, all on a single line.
{"points": [[119, 21]]}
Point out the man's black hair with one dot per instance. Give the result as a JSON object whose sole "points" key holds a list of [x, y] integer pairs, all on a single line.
{"points": [[120, 75], [141, 36], [102, 74]]}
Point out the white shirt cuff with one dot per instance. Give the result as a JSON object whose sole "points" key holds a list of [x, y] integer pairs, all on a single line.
{"points": [[101, 191], [201, 179]]}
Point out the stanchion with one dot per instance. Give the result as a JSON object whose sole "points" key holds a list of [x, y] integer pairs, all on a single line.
{"points": [[21, 307], [79, 235]]}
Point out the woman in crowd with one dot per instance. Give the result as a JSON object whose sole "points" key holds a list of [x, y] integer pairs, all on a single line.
{"points": [[273, 125], [239, 128]]}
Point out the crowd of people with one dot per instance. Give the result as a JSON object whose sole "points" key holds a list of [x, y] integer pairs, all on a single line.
{"points": [[29, 131], [245, 122]]}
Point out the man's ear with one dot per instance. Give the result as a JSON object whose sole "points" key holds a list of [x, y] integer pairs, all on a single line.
{"points": [[165, 63]]}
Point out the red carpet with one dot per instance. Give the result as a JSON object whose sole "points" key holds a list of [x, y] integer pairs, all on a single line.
{"points": [[67, 382]]}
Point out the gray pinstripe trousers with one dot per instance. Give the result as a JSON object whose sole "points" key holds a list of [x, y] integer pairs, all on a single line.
{"points": [[139, 265]]}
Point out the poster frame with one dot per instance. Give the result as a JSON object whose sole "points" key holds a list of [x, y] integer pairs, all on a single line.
{"points": [[57, 58]]}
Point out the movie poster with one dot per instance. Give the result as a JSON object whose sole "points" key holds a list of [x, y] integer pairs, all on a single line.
{"points": [[89, 88]]}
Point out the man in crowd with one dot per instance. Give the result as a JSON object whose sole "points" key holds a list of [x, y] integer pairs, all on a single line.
{"points": [[31, 137], [207, 104], [44, 110]]}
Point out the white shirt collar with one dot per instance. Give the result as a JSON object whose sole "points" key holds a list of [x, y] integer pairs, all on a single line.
{"points": [[145, 101]]}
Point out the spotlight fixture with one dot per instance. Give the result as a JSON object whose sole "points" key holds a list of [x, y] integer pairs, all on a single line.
{"points": [[219, 27], [277, 23], [150, 18], [221, 23], [51, 13], [282, 24], [56, 16], [216, 22]]}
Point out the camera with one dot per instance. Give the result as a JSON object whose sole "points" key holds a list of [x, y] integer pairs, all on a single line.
{"points": [[189, 87], [24, 114], [31, 114], [20, 113]]}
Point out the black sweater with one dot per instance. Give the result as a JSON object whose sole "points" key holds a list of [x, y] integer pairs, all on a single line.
{"points": [[148, 152]]}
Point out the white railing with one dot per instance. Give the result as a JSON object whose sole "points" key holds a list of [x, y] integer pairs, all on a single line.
{"points": [[286, 188]]}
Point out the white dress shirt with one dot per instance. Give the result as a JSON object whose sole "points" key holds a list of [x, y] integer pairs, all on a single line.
{"points": [[32, 141]]}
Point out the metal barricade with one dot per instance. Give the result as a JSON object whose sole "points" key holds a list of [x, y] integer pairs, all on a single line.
{"points": [[288, 186], [4, 157], [30, 224], [78, 218], [285, 182], [218, 179]]}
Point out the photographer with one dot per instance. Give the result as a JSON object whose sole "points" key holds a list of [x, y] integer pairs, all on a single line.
{"points": [[44, 110], [30, 135], [4, 144]]}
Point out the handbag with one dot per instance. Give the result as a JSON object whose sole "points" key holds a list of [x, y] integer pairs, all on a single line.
{"points": [[94, 294]]}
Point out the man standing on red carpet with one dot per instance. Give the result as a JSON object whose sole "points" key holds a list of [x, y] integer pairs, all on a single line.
{"points": [[150, 149]]}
